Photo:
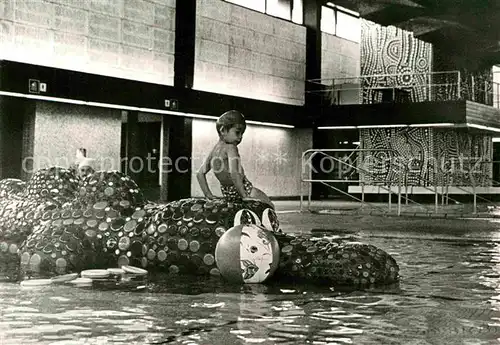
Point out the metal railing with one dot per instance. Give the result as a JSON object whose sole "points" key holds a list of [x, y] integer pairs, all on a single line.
{"points": [[484, 92], [380, 88], [406, 87], [400, 184], [387, 184]]}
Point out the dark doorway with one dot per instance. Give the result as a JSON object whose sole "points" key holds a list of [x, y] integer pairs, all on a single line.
{"points": [[12, 118], [328, 169], [140, 154]]}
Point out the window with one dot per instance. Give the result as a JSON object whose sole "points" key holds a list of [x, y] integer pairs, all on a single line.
{"points": [[340, 21], [285, 9], [328, 20], [298, 12], [258, 5], [280, 8], [348, 26]]}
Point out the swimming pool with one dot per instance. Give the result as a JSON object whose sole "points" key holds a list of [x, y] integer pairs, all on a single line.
{"points": [[449, 294]]}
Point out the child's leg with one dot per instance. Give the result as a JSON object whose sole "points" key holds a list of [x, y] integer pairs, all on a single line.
{"points": [[258, 194]]}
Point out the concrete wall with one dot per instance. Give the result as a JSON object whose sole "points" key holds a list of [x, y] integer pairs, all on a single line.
{"points": [[62, 128], [339, 57], [249, 54], [131, 39], [270, 156]]}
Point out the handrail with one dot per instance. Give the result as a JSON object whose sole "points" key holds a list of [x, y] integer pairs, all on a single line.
{"points": [[322, 151], [357, 169], [387, 75], [366, 172]]}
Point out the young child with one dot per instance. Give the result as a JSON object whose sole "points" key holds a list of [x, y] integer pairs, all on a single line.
{"points": [[225, 161], [80, 155], [86, 167]]}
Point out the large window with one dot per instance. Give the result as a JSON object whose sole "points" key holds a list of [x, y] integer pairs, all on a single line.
{"points": [[340, 21], [258, 5], [286, 9], [328, 21]]}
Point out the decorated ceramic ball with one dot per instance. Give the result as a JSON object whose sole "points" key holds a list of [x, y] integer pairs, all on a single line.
{"points": [[247, 254]]}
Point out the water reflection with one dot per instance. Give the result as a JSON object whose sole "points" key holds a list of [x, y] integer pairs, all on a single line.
{"points": [[449, 294]]}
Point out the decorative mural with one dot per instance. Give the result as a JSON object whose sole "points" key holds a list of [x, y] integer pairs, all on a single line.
{"points": [[425, 157], [464, 158], [389, 51], [398, 156]]}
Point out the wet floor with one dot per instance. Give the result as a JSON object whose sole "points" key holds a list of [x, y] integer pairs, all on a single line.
{"points": [[449, 294]]}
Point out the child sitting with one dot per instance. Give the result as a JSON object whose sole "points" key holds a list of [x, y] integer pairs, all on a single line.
{"points": [[224, 160]]}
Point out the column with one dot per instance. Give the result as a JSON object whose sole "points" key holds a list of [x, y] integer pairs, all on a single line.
{"points": [[185, 37], [312, 22]]}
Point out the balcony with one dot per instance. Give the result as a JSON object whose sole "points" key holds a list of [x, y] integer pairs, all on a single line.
{"points": [[447, 98]]}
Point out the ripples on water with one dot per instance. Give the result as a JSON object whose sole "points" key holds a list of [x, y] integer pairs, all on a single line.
{"points": [[449, 294]]}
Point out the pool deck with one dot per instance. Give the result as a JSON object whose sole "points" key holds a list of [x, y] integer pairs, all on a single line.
{"points": [[343, 207], [344, 218]]}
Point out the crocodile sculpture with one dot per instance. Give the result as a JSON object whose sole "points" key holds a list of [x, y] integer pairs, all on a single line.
{"points": [[57, 223]]}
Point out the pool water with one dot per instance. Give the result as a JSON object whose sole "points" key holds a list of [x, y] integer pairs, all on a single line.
{"points": [[449, 294]]}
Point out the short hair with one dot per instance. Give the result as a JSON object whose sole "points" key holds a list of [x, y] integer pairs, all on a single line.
{"points": [[229, 119], [83, 151]]}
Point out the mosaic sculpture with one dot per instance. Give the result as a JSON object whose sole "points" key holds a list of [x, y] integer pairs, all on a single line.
{"points": [[57, 224]]}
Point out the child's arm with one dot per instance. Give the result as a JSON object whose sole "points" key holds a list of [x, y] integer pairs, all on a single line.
{"points": [[233, 158], [202, 179]]}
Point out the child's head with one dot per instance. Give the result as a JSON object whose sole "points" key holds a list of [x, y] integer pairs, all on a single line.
{"points": [[231, 125], [86, 167], [81, 152]]}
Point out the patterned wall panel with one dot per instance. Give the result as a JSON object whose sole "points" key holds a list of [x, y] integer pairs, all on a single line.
{"points": [[426, 157], [463, 158], [389, 50], [403, 156]]}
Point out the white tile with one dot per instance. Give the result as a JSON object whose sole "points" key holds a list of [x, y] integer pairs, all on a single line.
{"points": [[32, 39], [6, 32], [261, 63], [214, 52], [238, 36], [104, 27], [164, 17], [34, 12], [70, 19], [109, 7], [239, 57], [139, 10], [169, 3], [137, 34], [215, 9], [7, 9], [136, 58], [164, 41]]}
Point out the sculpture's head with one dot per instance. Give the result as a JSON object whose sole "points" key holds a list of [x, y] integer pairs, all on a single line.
{"points": [[55, 183], [256, 212]]}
